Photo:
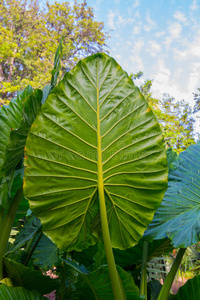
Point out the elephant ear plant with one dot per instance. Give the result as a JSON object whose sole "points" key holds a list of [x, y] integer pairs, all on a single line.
{"points": [[95, 162], [179, 213], [15, 122]]}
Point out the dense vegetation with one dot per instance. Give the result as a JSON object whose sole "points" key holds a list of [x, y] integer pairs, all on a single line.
{"points": [[102, 195]]}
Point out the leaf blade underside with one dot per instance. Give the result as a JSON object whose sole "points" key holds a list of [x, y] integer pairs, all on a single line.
{"points": [[61, 168]]}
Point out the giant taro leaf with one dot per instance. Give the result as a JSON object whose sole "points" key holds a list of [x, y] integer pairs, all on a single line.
{"points": [[95, 120], [178, 217]]}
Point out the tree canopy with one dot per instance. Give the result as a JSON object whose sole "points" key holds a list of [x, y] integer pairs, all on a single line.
{"points": [[29, 36], [175, 117]]}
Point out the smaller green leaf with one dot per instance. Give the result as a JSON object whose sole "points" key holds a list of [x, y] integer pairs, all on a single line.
{"points": [[100, 256], [97, 285], [57, 65], [3, 192], [46, 91], [45, 255], [24, 205], [18, 293], [132, 256], [10, 117], [29, 229], [87, 256], [55, 72], [190, 290], [29, 278], [154, 288], [171, 156], [17, 140]]}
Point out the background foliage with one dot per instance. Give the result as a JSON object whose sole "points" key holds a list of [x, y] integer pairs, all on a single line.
{"points": [[30, 34]]}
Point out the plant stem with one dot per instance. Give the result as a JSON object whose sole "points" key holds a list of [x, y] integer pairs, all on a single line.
{"points": [[2, 210], [62, 288], [164, 293], [143, 282], [116, 283], [30, 252], [7, 225]]}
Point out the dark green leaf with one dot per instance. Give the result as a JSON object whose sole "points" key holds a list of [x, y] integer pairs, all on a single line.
{"points": [[87, 256], [29, 278], [3, 192], [132, 256], [15, 146], [27, 232], [96, 285], [154, 288], [45, 255], [100, 256], [10, 117], [190, 290]]}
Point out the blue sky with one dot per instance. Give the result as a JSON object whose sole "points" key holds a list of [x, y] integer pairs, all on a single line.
{"points": [[159, 37]]}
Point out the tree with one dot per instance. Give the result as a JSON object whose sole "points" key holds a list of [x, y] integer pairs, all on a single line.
{"points": [[174, 117], [29, 36], [177, 123]]}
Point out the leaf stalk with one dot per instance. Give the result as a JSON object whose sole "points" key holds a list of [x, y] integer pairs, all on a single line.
{"points": [[143, 282], [7, 225], [116, 283], [164, 293]]}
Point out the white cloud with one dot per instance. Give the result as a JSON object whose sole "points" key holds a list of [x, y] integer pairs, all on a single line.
{"points": [[124, 21], [180, 17], [194, 5], [137, 63], [136, 3], [175, 30], [179, 84], [118, 57], [159, 34], [137, 29], [111, 20], [115, 19], [150, 23], [188, 51], [195, 49], [162, 74], [138, 45], [180, 54], [137, 14], [153, 48]]}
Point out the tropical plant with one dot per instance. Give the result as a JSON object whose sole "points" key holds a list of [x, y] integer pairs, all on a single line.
{"points": [[96, 172], [90, 140], [178, 215]]}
